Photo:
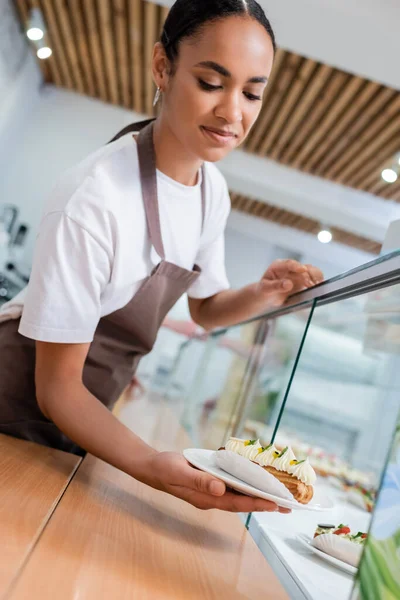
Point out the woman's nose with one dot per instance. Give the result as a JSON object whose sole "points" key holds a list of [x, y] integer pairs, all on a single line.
{"points": [[230, 109]]}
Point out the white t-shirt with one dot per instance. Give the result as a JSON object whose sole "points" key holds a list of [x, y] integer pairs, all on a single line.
{"points": [[93, 248]]}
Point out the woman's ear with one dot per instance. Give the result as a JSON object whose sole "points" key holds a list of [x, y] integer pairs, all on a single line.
{"points": [[160, 66]]}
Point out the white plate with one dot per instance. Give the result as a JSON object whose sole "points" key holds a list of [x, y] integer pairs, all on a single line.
{"points": [[203, 459], [305, 540]]}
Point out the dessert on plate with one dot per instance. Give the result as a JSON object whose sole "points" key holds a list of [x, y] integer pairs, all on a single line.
{"points": [[340, 543], [297, 476], [362, 497]]}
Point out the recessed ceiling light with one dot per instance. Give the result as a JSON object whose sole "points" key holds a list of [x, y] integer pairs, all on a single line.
{"points": [[325, 236], [44, 52], [389, 175], [35, 34]]}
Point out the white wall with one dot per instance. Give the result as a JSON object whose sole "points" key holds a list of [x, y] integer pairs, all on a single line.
{"points": [[64, 129]]}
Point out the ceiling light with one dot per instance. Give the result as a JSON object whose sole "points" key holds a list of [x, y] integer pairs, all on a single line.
{"points": [[325, 236], [36, 27], [44, 52], [389, 175], [35, 33]]}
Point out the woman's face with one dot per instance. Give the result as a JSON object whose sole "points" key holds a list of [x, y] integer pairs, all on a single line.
{"points": [[215, 94]]}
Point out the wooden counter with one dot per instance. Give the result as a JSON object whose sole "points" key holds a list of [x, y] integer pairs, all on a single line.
{"points": [[32, 481], [114, 538]]}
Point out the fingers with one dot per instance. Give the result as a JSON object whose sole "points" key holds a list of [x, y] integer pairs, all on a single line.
{"points": [[289, 267], [315, 274], [230, 502], [202, 482]]}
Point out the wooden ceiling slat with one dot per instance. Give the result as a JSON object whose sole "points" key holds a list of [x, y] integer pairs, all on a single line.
{"points": [[55, 40], [121, 42], [70, 46], [135, 16], [339, 131], [375, 148], [339, 155], [82, 45], [150, 37], [310, 124], [95, 48], [320, 141], [105, 24], [258, 130], [290, 100], [284, 78]]}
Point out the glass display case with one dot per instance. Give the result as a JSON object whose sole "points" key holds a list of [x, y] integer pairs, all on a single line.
{"points": [[322, 375]]}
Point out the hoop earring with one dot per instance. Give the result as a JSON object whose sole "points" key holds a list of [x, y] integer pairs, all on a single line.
{"points": [[157, 96]]}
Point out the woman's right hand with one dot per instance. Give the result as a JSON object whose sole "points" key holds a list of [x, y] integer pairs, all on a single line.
{"points": [[171, 473]]}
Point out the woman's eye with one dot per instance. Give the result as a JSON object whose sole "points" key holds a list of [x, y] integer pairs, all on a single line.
{"points": [[208, 87], [252, 97]]}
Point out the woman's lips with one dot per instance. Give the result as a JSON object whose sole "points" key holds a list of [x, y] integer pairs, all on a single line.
{"points": [[221, 138]]}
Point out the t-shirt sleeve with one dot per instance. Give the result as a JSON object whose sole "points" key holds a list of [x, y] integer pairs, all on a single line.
{"points": [[70, 271], [211, 255]]}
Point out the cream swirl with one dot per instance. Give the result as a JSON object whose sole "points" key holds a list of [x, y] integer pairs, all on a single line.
{"points": [[282, 462], [251, 450], [235, 445], [304, 472], [267, 456]]}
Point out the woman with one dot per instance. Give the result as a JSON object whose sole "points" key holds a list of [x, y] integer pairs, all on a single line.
{"points": [[126, 233]]}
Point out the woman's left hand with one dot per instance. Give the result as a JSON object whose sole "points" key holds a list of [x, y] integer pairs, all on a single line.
{"points": [[286, 277]]}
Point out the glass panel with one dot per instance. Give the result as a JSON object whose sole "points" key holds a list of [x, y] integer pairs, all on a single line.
{"points": [[223, 370], [379, 572], [275, 368], [345, 393]]}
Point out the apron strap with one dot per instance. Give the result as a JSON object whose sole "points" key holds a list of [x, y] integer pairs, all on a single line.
{"points": [[148, 176], [131, 128]]}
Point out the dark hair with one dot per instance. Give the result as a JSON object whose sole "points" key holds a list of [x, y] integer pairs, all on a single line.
{"points": [[187, 18]]}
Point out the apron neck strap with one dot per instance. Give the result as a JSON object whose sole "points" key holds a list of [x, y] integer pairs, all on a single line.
{"points": [[148, 176]]}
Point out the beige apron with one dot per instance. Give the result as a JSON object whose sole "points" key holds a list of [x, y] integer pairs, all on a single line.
{"points": [[120, 339]]}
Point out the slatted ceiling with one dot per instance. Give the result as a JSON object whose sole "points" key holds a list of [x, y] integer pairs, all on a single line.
{"points": [[340, 131], [311, 89], [382, 129], [289, 219], [323, 137], [368, 115], [310, 125]]}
